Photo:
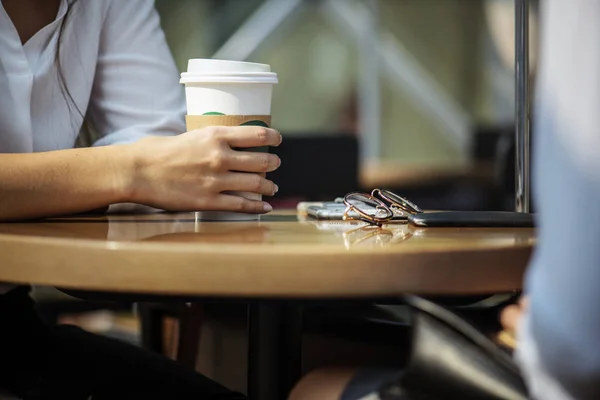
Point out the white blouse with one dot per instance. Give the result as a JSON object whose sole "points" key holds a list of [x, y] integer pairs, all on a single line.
{"points": [[117, 67]]}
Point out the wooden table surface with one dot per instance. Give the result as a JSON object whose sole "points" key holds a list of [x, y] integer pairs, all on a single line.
{"points": [[280, 256]]}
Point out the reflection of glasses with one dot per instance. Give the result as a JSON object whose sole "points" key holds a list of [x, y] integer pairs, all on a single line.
{"points": [[378, 207], [374, 236]]}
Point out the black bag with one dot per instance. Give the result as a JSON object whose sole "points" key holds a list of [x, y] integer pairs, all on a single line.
{"points": [[451, 359]]}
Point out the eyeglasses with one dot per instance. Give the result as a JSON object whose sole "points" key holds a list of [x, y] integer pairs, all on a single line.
{"points": [[379, 207]]}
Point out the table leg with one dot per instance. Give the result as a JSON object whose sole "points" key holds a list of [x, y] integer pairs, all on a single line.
{"points": [[151, 318], [274, 350], [290, 349], [191, 317]]}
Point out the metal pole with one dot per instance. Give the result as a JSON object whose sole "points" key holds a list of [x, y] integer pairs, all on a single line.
{"points": [[369, 108], [522, 171], [405, 72], [256, 29]]}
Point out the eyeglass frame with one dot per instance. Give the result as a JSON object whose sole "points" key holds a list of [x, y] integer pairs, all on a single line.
{"points": [[402, 205]]}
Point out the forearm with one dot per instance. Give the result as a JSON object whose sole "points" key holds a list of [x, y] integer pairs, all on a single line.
{"points": [[63, 182]]}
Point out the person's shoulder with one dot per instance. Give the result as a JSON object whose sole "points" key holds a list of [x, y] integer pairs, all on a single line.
{"points": [[122, 10], [92, 9], [125, 6], [96, 5]]}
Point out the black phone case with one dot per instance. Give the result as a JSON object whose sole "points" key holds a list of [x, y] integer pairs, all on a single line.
{"points": [[473, 219]]}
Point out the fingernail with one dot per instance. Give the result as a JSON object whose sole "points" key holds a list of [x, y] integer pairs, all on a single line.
{"points": [[267, 207], [276, 189]]}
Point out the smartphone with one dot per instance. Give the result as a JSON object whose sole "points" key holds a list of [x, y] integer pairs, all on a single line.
{"points": [[473, 219], [327, 211], [303, 206], [335, 211]]}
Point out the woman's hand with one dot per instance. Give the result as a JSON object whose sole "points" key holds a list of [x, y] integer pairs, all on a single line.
{"points": [[191, 171], [510, 318], [511, 315]]}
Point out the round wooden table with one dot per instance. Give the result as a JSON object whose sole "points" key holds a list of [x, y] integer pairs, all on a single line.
{"points": [[277, 257], [269, 263]]}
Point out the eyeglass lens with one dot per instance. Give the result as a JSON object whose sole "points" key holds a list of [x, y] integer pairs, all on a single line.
{"points": [[366, 204], [404, 203]]}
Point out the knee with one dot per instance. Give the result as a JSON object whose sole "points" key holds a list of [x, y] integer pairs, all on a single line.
{"points": [[323, 384]]}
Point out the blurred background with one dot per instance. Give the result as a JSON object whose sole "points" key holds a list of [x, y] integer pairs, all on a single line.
{"points": [[425, 88], [413, 95]]}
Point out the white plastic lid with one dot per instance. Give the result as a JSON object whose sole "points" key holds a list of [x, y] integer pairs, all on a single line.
{"points": [[223, 71]]}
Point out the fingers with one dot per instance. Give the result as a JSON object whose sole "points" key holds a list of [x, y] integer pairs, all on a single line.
{"points": [[524, 302], [248, 136], [226, 202], [244, 182], [510, 317], [246, 161]]}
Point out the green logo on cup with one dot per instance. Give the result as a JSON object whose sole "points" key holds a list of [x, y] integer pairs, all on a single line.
{"points": [[249, 123], [255, 123]]}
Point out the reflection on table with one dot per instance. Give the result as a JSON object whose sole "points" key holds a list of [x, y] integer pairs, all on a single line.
{"points": [[279, 256], [282, 228]]}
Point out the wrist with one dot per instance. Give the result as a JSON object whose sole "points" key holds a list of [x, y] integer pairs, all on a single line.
{"points": [[124, 163], [136, 162]]}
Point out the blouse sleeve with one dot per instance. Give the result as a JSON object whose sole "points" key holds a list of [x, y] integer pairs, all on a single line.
{"points": [[136, 89]]}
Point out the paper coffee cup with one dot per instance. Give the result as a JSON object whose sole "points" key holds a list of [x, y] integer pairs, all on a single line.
{"points": [[228, 93]]}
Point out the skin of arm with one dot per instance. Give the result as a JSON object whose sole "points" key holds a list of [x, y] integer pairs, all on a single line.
{"points": [[187, 172], [60, 182], [141, 156]]}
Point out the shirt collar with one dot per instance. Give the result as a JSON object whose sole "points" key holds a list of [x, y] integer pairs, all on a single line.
{"points": [[8, 31]]}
